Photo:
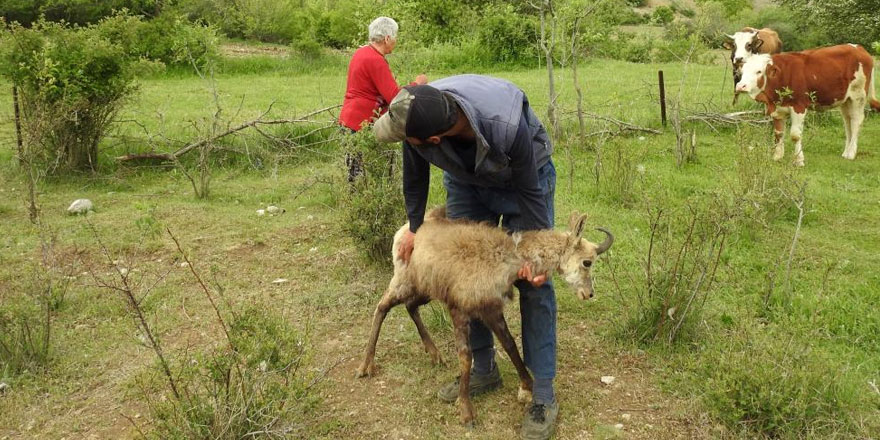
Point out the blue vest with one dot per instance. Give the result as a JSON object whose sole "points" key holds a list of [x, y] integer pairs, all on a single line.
{"points": [[494, 107]]}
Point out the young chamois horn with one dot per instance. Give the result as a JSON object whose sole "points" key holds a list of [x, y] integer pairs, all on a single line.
{"points": [[471, 267]]}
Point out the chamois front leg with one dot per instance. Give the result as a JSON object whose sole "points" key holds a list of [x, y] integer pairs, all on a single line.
{"points": [[413, 309], [392, 297], [496, 322], [462, 332]]}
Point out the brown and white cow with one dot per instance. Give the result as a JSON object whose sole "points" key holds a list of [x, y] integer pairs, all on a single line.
{"points": [[748, 42], [820, 79]]}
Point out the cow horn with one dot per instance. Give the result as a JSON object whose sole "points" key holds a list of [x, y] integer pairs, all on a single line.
{"points": [[729, 36], [609, 240]]}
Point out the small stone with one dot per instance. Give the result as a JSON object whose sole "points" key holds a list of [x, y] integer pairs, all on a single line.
{"points": [[641, 138], [184, 264], [274, 210], [607, 380], [626, 417], [263, 366], [310, 217], [261, 212], [123, 271], [80, 206], [313, 249], [619, 426]]}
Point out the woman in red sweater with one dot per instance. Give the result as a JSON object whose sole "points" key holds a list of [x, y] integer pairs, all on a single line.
{"points": [[370, 84]]}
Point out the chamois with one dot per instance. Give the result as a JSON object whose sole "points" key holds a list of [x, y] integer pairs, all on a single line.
{"points": [[471, 268]]}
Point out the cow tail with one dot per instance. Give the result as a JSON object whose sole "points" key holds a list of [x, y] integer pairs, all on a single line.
{"points": [[875, 104]]}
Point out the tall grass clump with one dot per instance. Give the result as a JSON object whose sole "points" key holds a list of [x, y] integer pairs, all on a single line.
{"points": [[763, 385], [72, 81], [373, 202]]}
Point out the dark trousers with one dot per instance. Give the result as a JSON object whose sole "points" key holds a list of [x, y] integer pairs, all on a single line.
{"points": [[537, 305]]}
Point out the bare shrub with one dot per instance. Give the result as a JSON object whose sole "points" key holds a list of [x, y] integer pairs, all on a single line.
{"points": [[679, 267]]}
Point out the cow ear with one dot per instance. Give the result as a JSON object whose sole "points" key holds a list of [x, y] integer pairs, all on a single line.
{"points": [[727, 45], [756, 44], [772, 71]]}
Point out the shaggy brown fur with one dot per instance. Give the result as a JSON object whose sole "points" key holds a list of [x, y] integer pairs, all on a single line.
{"points": [[471, 267]]}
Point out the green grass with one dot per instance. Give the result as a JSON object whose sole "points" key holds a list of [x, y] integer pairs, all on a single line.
{"points": [[796, 366]]}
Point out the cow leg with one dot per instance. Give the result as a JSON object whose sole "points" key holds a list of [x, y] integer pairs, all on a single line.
{"points": [[847, 125], [797, 130], [413, 309], [462, 330], [856, 116], [498, 324], [778, 131], [397, 290]]}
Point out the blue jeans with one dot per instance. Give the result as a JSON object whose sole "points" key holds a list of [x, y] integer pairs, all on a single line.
{"points": [[537, 305]]}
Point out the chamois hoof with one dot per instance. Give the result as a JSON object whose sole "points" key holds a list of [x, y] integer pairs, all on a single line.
{"points": [[470, 425], [436, 358], [366, 370], [523, 395]]}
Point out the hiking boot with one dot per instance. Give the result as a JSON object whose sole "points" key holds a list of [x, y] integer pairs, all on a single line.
{"points": [[540, 421], [480, 383]]}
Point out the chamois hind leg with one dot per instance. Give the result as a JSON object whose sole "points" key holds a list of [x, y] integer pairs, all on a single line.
{"points": [[498, 324], [395, 294], [413, 308], [461, 322]]}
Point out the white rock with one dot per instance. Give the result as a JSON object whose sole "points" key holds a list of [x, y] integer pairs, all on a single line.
{"points": [[261, 212], [279, 281], [310, 217], [263, 366], [3, 387], [641, 138], [274, 210], [619, 426], [184, 264], [607, 380], [313, 249], [80, 206], [625, 417], [123, 271]]}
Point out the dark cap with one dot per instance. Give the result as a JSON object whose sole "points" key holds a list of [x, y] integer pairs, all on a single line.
{"points": [[418, 111]]}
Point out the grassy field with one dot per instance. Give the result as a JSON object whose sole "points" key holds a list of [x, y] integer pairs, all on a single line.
{"points": [[784, 343]]}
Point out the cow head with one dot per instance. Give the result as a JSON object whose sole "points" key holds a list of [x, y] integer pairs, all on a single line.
{"points": [[579, 255], [742, 46], [755, 72]]}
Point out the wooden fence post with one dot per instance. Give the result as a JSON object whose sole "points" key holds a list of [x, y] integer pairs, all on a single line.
{"points": [[662, 97], [17, 124]]}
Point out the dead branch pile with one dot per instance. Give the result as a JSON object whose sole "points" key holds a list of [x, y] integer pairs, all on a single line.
{"points": [[255, 124], [714, 119]]}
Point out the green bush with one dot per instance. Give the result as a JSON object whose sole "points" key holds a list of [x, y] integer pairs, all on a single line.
{"points": [[229, 394], [27, 12], [169, 39], [663, 15], [72, 82], [765, 388], [373, 203], [507, 36]]}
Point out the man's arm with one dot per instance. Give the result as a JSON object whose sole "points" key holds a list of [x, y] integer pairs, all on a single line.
{"points": [[524, 173], [416, 183]]}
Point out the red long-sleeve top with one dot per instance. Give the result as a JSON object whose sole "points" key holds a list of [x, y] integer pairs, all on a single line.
{"points": [[370, 88]]}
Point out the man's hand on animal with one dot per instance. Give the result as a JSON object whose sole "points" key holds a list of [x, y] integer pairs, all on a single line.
{"points": [[404, 252], [525, 273]]}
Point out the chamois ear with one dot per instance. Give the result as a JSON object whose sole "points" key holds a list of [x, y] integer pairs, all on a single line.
{"points": [[576, 224], [772, 71]]}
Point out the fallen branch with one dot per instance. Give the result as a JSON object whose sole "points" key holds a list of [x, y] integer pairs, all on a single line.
{"points": [[745, 117], [253, 123]]}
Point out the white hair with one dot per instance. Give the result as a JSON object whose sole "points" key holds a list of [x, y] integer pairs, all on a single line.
{"points": [[383, 27]]}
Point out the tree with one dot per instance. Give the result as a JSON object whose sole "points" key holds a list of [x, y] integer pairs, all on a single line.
{"points": [[842, 21]]}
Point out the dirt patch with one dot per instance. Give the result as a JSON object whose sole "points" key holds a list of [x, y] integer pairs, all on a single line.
{"points": [[237, 50]]}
